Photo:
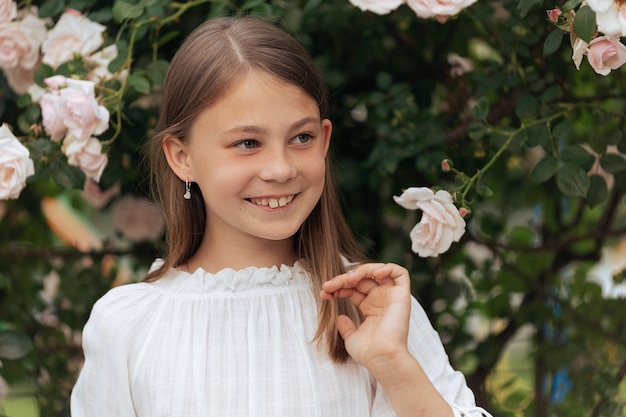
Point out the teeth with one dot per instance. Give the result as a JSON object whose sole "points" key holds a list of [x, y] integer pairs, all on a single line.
{"points": [[273, 202]]}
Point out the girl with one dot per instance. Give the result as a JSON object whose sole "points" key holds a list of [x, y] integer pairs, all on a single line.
{"points": [[264, 304]]}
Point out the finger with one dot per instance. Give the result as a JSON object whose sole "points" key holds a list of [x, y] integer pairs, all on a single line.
{"points": [[350, 279], [346, 327], [356, 297]]}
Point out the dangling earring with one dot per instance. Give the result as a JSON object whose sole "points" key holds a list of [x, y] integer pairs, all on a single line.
{"points": [[187, 194]]}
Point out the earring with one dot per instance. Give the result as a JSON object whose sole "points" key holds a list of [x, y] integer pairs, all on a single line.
{"points": [[187, 195]]}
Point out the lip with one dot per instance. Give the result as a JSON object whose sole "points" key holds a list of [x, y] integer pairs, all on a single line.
{"points": [[272, 202]]}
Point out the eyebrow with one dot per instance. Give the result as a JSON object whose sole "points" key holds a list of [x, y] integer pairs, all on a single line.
{"points": [[258, 130]]}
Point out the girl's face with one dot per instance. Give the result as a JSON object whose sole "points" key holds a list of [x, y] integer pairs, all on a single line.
{"points": [[258, 155]]}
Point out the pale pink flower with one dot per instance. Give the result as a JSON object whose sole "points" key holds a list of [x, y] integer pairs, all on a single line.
{"points": [[439, 9], [97, 197], [20, 79], [440, 225], [20, 42], [8, 10], [377, 6], [51, 117], [99, 64], [71, 104], [137, 218], [15, 165], [73, 34], [579, 50], [80, 110], [606, 53], [610, 16], [86, 155]]}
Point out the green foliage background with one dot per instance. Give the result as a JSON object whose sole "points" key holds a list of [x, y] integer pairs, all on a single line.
{"points": [[523, 130]]}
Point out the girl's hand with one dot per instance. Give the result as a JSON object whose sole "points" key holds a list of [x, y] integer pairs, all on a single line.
{"points": [[382, 293]]}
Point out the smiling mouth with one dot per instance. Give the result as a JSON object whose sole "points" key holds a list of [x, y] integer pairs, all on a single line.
{"points": [[272, 202]]}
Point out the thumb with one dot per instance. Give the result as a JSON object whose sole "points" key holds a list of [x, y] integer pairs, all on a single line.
{"points": [[346, 326]]}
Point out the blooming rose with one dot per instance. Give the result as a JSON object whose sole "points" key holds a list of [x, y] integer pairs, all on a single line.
{"points": [[8, 10], [610, 16], [440, 225], [137, 218], [440, 9], [73, 34], [606, 53], [377, 6], [20, 79], [99, 64], [15, 165], [87, 155], [20, 41], [73, 107]]}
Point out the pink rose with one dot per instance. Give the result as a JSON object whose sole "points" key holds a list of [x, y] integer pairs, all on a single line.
{"points": [[579, 50], [20, 79], [8, 11], [138, 219], [606, 53], [440, 9], [553, 15], [81, 112], [20, 41], [377, 6], [73, 34], [87, 155], [99, 64], [15, 165], [72, 105], [440, 225], [51, 118]]}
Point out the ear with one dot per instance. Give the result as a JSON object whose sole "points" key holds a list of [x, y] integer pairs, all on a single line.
{"points": [[177, 157], [327, 130]]}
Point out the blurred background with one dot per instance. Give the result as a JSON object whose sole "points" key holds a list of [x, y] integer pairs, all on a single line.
{"points": [[530, 121]]}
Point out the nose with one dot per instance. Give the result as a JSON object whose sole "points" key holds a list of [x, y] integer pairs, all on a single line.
{"points": [[278, 166]]}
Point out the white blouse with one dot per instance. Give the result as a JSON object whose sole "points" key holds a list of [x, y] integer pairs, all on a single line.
{"points": [[234, 344]]}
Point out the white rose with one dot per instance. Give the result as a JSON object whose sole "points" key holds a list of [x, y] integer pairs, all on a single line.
{"points": [[80, 111], [15, 165], [610, 16], [20, 79], [8, 10], [99, 64], [73, 34], [377, 6], [440, 225], [20, 42], [440, 9]]}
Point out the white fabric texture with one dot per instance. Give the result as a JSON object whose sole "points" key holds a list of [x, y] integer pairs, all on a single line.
{"points": [[234, 344]]}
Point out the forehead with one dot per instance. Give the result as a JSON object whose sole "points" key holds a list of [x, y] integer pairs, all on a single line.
{"points": [[259, 98]]}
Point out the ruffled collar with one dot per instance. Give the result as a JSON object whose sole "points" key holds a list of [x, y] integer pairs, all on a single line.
{"points": [[230, 280]]}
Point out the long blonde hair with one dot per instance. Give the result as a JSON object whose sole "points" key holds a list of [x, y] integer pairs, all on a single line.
{"points": [[213, 57]]}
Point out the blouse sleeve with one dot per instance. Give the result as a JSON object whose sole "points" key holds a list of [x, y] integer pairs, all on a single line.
{"points": [[425, 345], [103, 387]]}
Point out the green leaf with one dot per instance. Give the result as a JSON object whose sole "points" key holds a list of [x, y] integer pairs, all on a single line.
{"points": [[118, 61], [552, 42], [476, 131], [545, 169], [481, 109], [14, 344], [156, 71], [139, 83], [484, 191], [538, 135], [585, 23], [598, 190], [612, 163], [526, 107], [571, 5], [123, 11], [572, 181], [575, 155], [524, 6], [65, 175]]}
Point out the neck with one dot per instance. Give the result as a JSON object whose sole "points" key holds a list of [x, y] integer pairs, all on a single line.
{"points": [[215, 256]]}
